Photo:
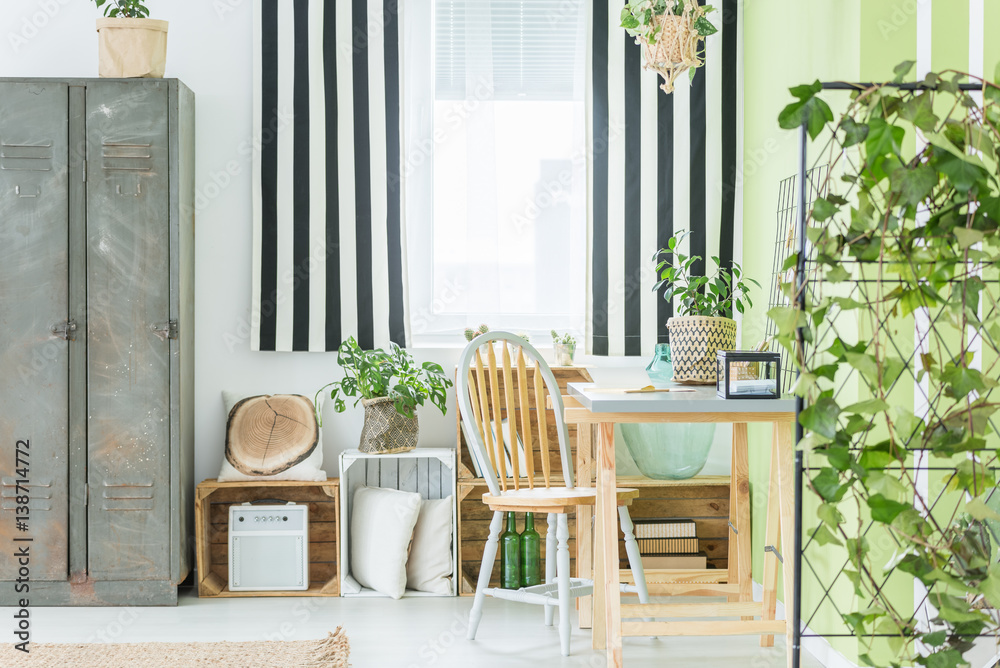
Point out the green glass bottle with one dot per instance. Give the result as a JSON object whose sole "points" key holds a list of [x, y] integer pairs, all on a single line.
{"points": [[531, 553], [510, 555]]}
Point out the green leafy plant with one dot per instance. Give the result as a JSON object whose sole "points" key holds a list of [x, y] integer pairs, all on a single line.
{"points": [[125, 9], [370, 374], [904, 238], [713, 295], [566, 339]]}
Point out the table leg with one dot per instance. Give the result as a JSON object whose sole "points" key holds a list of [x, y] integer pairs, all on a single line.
{"points": [[786, 495], [607, 540], [770, 579], [584, 514], [598, 616], [740, 484]]}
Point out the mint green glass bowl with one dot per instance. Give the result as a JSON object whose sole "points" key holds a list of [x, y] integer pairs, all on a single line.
{"points": [[669, 451]]}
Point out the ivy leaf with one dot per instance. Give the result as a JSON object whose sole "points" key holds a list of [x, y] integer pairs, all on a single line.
{"points": [[821, 417], [864, 363], [902, 70], [948, 658], [867, 407], [787, 318], [823, 209], [961, 381], [885, 510], [919, 110], [829, 514], [980, 511], [854, 132], [828, 486], [968, 237], [935, 639], [824, 536], [962, 174], [915, 185], [883, 139], [809, 110]]}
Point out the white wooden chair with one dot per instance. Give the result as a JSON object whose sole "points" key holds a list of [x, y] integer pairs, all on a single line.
{"points": [[485, 403]]}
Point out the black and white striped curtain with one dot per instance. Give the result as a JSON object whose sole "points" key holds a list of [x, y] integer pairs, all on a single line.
{"points": [[660, 164], [327, 237]]}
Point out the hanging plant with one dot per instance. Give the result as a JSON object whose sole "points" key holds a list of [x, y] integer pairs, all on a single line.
{"points": [[898, 349], [672, 35]]}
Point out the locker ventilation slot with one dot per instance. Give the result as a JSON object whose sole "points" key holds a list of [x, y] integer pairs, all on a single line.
{"points": [[39, 492], [26, 157], [127, 496], [126, 157]]}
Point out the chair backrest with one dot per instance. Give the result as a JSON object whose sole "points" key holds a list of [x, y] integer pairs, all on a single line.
{"points": [[499, 404]]}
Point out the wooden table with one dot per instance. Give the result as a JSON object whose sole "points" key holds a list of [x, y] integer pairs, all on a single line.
{"points": [[601, 408]]}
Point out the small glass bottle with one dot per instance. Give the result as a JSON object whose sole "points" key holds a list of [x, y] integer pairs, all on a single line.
{"points": [[531, 553], [510, 555], [661, 369]]}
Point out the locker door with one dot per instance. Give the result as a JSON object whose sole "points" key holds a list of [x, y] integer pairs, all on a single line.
{"points": [[128, 299], [34, 361]]}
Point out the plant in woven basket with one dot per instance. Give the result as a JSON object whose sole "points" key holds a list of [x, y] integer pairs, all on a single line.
{"points": [[704, 324], [894, 323], [672, 35]]}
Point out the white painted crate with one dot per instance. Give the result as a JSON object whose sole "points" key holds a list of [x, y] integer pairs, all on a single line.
{"points": [[428, 471]]}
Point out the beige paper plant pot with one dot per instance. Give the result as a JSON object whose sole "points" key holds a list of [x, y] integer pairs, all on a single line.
{"points": [[130, 48]]}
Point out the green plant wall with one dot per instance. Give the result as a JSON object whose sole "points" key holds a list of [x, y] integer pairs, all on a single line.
{"points": [[853, 40]]}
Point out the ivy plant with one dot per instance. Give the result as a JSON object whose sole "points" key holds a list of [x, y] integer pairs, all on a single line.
{"points": [[371, 374], [125, 9], [903, 245], [713, 295]]}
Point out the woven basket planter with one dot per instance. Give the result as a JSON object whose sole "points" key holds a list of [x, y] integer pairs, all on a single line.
{"points": [[675, 49], [386, 431], [694, 341]]}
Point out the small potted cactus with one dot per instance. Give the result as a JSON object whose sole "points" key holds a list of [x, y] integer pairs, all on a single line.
{"points": [[564, 347], [473, 333]]}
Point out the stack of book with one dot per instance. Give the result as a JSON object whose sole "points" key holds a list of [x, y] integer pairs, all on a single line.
{"points": [[669, 543]]}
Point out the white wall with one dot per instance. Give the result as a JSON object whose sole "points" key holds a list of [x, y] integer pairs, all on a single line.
{"points": [[210, 49]]}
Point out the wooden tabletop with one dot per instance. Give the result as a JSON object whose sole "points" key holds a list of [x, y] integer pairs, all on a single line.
{"points": [[599, 399]]}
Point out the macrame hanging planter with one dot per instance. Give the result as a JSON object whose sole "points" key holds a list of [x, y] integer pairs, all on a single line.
{"points": [[670, 41]]}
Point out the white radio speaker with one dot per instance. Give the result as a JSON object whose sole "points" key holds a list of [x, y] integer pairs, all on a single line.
{"points": [[268, 547]]}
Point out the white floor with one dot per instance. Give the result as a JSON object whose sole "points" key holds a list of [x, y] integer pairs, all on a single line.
{"points": [[410, 633]]}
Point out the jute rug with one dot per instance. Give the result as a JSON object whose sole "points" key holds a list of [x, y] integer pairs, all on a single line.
{"points": [[330, 652]]}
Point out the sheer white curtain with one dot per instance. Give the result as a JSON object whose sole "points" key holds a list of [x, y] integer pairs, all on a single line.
{"points": [[495, 166]]}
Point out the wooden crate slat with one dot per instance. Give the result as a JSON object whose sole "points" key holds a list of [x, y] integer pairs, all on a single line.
{"points": [[212, 502]]}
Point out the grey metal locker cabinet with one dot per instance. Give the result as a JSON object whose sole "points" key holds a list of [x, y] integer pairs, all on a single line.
{"points": [[100, 288]]}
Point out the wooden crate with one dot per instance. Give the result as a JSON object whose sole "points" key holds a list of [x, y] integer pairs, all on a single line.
{"points": [[429, 471], [474, 528], [564, 375], [212, 501], [704, 499]]}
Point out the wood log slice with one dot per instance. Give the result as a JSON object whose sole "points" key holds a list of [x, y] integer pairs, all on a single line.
{"points": [[268, 434]]}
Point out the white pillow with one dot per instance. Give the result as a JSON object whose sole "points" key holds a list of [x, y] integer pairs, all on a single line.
{"points": [[382, 522], [310, 468], [429, 567]]}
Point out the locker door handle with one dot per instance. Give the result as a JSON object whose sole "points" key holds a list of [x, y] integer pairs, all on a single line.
{"points": [[137, 193], [17, 191], [166, 330], [65, 330]]}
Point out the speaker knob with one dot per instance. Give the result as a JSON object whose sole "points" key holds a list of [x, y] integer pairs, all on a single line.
{"points": [[241, 518]]}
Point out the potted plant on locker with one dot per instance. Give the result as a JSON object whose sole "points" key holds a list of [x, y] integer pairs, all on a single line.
{"points": [[390, 385], [130, 44], [704, 324]]}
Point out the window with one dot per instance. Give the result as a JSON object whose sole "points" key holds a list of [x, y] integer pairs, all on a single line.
{"points": [[494, 166]]}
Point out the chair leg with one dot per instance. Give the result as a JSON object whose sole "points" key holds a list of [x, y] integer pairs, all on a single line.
{"points": [[485, 570], [562, 577], [634, 559], [550, 562]]}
